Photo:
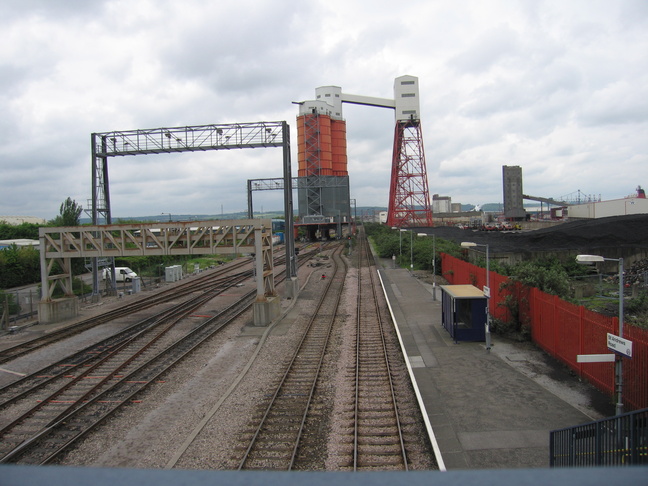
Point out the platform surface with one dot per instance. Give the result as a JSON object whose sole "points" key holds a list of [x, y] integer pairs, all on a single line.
{"points": [[485, 413]]}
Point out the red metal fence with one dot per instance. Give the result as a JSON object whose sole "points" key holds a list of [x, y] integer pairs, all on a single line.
{"points": [[563, 330]]}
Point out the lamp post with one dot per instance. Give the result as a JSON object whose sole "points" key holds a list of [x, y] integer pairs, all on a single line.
{"points": [[411, 248], [411, 253], [618, 365], [487, 292], [394, 256], [434, 267], [434, 297], [400, 253]]}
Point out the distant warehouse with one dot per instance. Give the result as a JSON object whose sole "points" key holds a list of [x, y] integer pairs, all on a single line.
{"points": [[18, 242], [16, 220], [633, 204]]}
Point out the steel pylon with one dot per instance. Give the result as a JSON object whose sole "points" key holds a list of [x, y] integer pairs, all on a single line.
{"points": [[409, 196]]}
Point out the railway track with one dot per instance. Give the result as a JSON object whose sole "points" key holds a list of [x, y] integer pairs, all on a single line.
{"points": [[274, 442], [287, 434], [76, 403], [86, 357], [118, 369], [378, 435], [380, 415], [180, 290]]}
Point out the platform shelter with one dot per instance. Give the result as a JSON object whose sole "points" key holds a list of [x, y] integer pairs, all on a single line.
{"points": [[464, 312]]}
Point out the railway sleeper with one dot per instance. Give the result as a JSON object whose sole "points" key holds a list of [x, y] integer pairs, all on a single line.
{"points": [[273, 448], [367, 443], [376, 413]]}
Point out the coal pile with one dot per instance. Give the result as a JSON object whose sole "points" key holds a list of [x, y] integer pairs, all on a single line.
{"points": [[637, 274], [583, 236]]}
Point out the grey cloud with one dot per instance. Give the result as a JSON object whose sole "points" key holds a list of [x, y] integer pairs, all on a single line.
{"points": [[488, 49], [618, 104], [49, 9]]}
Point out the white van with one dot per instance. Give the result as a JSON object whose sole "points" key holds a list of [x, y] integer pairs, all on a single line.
{"points": [[122, 274]]}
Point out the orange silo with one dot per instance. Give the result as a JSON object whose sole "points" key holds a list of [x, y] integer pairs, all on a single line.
{"points": [[326, 152], [314, 146], [339, 148], [301, 145]]}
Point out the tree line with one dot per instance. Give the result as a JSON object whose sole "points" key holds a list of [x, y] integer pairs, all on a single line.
{"points": [[20, 265]]}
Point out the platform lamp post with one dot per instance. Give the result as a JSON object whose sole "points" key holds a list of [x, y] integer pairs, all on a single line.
{"points": [[400, 238], [411, 248], [394, 256], [411, 253], [434, 297], [618, 365], [487, 291]]}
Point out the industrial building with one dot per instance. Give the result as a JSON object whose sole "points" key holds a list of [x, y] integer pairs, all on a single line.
{"points": [[513, 197], [19, 242], [16, 220], [324, 200], [633, 204], [587, 209]]}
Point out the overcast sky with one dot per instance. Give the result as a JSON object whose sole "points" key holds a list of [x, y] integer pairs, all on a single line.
{"points": [[557, 87]]}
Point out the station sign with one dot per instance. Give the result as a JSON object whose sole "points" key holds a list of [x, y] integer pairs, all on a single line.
{"points": [[595, 358], [619, 345]]}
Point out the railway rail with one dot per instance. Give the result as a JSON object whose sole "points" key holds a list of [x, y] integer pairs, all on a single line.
{"points": [[72, 401], [274, 443], [74, 408], [87, 356], [184, 288], [378, 434], [201, 282], [119, 367]]}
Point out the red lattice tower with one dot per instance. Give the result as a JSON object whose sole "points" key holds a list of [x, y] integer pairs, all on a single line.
{"points": [[409, 196]]}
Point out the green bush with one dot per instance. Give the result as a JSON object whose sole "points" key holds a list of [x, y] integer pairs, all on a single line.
{"points": [[27, 231], [389, 243], [19, 266], [550, 276]]}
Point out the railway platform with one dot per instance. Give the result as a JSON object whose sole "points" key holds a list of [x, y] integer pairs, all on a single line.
{"points": [[485, 412]]}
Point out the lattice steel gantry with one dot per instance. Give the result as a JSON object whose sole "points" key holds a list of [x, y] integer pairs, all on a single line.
{"points": [[197, 138], [62, 244], [409, 196]]}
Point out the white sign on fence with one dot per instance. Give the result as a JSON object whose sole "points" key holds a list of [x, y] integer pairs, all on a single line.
{"points": [[619, 345], [595, 358]]}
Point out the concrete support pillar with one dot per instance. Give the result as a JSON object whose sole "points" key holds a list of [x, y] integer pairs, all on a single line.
{"points": [[57, 310], [266, 311], [291, 288]]}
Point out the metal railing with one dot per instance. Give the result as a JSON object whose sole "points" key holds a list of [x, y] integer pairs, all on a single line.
{"points": [[18, 305], [617, 441]]}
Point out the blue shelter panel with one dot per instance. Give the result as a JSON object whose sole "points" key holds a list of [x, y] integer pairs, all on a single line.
{"points": [[464, 312]]}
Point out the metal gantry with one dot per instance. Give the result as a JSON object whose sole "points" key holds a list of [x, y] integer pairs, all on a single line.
{"points": [[409, 201], [60, 245], [186, 139], [313, 164], [172, 140], [278, 184]]}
